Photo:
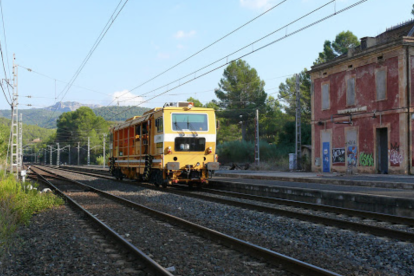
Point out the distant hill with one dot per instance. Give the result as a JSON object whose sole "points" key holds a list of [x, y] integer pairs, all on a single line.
{"points": [[70, 106], [42, 116], [31, 133]]}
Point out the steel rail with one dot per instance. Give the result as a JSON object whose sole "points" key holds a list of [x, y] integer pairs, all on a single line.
{"points": [[300, 204], [374, 230], [151, 264], [289, 263]]}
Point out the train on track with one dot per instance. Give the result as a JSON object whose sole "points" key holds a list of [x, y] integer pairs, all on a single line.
{"points": [[172, 144]]}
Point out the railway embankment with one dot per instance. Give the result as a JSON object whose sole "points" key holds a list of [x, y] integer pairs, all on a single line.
{"points": [[389, 194]]}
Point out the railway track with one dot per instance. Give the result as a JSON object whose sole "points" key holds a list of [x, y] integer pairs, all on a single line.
{"points": [[360, 221], [256, 252]]}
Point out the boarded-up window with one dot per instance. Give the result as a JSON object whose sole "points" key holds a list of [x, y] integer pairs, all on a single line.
{"points": [[381, 84], [325, 96], [350, 92]]}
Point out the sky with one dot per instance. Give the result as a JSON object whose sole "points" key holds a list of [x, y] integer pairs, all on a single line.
{"points": [[52, 38]]}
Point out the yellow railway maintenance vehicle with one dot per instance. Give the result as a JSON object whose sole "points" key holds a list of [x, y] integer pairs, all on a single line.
{"points": [[172, 144]]}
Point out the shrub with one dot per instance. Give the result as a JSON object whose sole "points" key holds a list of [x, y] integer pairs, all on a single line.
{"points": [[242, 151], [100, 160], [17, 205]]}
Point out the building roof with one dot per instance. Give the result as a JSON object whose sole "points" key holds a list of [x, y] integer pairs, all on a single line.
{"points": [[405, 29]]}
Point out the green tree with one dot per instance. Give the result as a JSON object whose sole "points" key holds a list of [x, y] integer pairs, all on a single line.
{"points": [[287, 93], [412, 11], [338, 47], [78, 126], [271, 121], [241, 92], [196, 102], [4, 140]]}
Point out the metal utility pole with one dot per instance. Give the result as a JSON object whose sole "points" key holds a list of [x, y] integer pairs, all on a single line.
{"points": [[298, 126], [69, 154], [58, 155], [20, 142], [51, 157], [44, 161], [78, 152], [89, 149], [104, 138], [14, 153], [257, 146]]}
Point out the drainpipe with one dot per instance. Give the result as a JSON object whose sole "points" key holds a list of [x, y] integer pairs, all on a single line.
{"points": [[408, 111]]}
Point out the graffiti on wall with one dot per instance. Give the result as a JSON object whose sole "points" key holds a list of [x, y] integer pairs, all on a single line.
{"points": [[338, 155], [394, 155], [366, 159], [352, 156]]}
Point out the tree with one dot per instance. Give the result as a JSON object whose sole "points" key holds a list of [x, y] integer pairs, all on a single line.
{"points": [[339, 46], [241, 92], [4, 140], [412, 11], [287, 93], [271, 121], [77, 126], [196, 102]]}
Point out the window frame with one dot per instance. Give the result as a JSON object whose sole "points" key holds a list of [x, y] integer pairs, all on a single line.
{"points": [[329, 95], [189, 130], [386, 84], [355, 94]]}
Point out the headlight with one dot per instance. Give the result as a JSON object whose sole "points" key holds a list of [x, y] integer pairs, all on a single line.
{"points": [[181, 146]]}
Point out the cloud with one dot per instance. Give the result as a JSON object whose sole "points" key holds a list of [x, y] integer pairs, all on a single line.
{"points": [[183, 34], [125, 98], [180, 46], [163, 56], [255, 4]]}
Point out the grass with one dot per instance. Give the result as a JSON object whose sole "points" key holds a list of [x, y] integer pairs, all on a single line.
{"points": [[17, 205]]}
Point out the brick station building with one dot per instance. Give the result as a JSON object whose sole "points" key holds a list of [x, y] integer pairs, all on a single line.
{"points": [[362, 107]]}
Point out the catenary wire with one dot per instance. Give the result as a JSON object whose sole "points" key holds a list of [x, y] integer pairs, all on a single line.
{"points": [[256, 50], [205, 48], [96, 44], [226, 57]]}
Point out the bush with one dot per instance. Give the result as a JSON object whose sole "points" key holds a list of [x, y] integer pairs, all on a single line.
{"points": [[100, 160], [242, 152], [17, 205]]}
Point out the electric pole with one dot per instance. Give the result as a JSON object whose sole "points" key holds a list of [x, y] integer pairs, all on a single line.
{"points": [[45, 161], [257, 146], [69, 154], [104, 138], [298, 125], [89, 149], [20, 141], [50, 157], [58, 155], [14, 153], [78, 152]]}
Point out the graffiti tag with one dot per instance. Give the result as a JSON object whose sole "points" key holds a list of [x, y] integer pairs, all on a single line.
{"points": [[394, 155], [366, 159], [396, 158], [338, 155], [352, 156]]}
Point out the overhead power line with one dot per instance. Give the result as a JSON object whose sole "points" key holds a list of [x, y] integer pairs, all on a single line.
{"points": [[205, 48], [52, 78], [254, 51], [108, 25]]}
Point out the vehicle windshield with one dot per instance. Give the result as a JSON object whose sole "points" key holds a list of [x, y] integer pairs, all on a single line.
{"points": [[188, 121]]}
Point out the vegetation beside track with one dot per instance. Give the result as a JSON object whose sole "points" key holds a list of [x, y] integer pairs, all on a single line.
{"points": [[17, 205]]}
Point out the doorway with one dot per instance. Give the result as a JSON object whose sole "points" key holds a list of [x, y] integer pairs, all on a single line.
{"points": [[382, 150]]}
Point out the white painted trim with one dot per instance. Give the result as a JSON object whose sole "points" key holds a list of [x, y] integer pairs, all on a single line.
{"points": [[170, 137], [129, 161]]}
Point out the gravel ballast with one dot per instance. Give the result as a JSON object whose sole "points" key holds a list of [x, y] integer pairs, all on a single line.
{"points": [[60, 242], [342, 251]]}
